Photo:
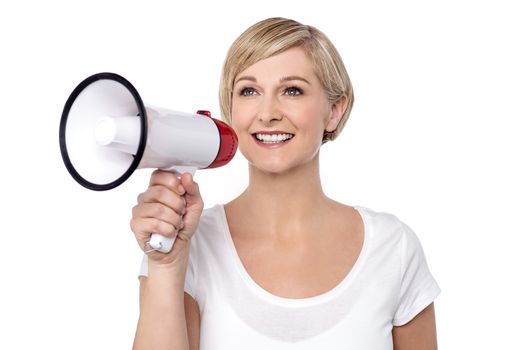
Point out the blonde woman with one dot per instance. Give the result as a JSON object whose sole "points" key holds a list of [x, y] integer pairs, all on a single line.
{"points": [[282, 266]]}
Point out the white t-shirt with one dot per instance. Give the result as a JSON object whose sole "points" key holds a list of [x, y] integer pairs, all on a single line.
{"points": [[388, 285]]}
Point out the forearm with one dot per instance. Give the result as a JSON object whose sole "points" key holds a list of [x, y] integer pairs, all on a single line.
{"points": [[162, 322]]}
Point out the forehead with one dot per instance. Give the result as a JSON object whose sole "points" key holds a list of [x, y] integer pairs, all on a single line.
{"points": [[291, 62]]}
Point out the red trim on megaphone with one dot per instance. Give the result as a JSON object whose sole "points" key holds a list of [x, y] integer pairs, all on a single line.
{"points": [[227, 146], [203, 112]]}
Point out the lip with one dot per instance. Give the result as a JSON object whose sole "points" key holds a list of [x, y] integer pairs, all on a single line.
{"points": [[273, 132]]}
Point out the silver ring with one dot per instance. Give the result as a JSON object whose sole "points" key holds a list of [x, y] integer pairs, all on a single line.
{"points": [[148, 248]]}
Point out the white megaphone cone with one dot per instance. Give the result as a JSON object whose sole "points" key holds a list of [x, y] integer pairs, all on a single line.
{"points": [[106, 133]]}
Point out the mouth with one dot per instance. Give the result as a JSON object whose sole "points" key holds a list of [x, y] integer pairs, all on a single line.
{"points": [[272, 138]]}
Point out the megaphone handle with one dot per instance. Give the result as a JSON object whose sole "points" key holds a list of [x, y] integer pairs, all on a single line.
{"points": [[157, 241], [160, 243]]}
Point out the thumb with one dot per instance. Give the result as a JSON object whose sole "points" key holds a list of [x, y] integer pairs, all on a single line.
{"points": [[192, 194], [194, 205]]}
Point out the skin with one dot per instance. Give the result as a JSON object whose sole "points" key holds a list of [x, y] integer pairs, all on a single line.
{"points": [[170, 206], [283, 217]]}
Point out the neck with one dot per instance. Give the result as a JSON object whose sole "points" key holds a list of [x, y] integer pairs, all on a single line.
{"points": [[285, 202], [292, 187]]}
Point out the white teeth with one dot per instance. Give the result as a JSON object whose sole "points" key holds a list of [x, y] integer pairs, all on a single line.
{"points": [[274, 138]]}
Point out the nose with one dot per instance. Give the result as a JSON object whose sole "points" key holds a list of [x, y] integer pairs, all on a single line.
{"points": [[270, 110]]}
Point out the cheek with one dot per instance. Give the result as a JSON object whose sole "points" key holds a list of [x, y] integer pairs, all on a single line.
{"points": [[241, 123], [236, 122], [313, 117], [240, 115]]}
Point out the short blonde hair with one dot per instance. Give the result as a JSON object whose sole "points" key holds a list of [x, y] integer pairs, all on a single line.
{"points": [[275, 35]]}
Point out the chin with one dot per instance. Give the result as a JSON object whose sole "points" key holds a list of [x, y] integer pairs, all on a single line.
{"points": [[281, 167], [274, 169], [281, 163]]}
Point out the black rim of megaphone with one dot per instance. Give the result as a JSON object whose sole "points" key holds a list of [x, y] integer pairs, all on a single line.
{"points": [[62, 131]]}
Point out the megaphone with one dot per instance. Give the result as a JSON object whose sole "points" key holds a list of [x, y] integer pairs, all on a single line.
{"points": [[106, 133]]}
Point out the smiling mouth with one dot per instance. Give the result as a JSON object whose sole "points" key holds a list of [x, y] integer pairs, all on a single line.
{"points": [[273, 138]]}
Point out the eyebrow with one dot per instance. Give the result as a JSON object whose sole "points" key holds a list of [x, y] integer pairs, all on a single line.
{"points": [[294, 77], [246, 77], [282, 80]]}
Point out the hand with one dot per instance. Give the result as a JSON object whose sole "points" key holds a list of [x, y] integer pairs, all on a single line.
{"points": [[171, 206]]}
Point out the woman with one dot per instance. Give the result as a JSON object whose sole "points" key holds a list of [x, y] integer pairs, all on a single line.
{"points": [[281, 266]]}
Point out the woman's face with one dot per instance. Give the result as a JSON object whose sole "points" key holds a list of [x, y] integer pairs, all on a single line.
{"points": [[280, 111]]}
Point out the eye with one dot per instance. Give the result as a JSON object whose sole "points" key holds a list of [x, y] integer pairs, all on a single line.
{"points": [[293, 91], [248, 92]]}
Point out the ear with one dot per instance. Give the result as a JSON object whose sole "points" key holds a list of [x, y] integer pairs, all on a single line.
{"points": [[336, 114]]}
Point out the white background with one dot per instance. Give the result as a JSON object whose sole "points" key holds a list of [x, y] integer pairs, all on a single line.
{"points": [[436, 137]]}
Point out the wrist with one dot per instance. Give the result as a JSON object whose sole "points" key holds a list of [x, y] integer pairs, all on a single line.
{"points": [[173, 263]]}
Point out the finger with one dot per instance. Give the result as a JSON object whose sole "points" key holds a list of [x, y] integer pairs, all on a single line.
{"points": [[157, 211], [167, 179], [163, 195], [194, 205], [144, 227], [191, 188]]}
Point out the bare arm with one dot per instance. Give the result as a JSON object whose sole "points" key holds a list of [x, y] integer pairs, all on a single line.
{"points": [[162, 321], [193, 321], [170, 206], [419, 333]]}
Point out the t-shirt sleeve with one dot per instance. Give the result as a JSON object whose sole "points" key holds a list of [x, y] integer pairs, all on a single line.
{"points": [[189, 282], [418, 288]]}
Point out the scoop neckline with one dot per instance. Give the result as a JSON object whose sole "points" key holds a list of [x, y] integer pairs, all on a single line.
{"points": [[295, 302]]}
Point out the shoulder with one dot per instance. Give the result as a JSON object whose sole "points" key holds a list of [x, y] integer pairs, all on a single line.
{"points": [[211, 221], [382, 223], [211, 216], [388, 231], [210, 228]]}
